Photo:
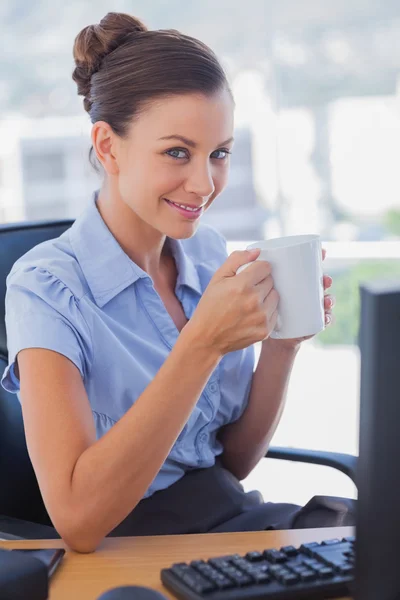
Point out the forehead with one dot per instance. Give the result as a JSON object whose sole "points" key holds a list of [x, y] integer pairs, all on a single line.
{"points": [[198, 117]]}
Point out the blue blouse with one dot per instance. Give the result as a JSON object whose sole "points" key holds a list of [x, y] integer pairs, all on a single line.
{"points": [[80, 295]]}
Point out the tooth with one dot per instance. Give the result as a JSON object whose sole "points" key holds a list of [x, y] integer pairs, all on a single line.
{"points": [[185, 207]]}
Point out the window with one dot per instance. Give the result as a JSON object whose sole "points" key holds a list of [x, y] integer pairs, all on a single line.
{"points": [[39, 168]]}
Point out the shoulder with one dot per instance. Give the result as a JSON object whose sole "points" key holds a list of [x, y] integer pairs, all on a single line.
{"points": [[46, 265]]}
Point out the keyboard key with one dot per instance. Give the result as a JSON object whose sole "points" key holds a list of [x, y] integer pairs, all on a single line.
{"points": [[346, 569], [291, 579], [311, 563], [275, 568], [325, 572], [242, 579], [289, 551], [330, 542], [219, 563], [262, 577], [349, 538], [254, 556], [308, 548], [222, 582], [208, 571], [179, 569], [261, 566], [241, 563], [298, 568], [308, 576], [275, 556], [333, 559], [276, 571], [198, 583]]}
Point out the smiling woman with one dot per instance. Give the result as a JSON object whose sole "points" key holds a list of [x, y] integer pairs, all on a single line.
{"points": [[143, 91], [150, 170], [131, 338]]}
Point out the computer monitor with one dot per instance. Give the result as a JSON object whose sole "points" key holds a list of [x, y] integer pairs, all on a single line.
{"points": [[378, 470]]}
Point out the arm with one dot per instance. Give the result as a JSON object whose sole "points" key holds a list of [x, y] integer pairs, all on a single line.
{"points": [[246, 440], [90, 486]]}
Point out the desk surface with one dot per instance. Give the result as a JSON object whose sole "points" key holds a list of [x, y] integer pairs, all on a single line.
{"points": [[138, 560]]}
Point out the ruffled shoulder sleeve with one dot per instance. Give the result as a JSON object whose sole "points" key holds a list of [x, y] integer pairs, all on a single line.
{"points": [[42, 312]]}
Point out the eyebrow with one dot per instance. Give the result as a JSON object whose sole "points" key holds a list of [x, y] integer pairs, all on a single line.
{"points": [[188, 142]]}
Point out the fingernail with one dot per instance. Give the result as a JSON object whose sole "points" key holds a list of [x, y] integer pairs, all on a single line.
{"points": [[328, 319]]}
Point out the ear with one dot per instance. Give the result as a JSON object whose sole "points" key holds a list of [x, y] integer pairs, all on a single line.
{"points": [[105, 145]]}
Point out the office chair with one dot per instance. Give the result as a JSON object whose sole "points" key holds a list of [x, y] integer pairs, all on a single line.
{"points": [[22, 511]]}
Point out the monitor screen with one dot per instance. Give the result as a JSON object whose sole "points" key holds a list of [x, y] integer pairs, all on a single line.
{"points": [[378, 470]]}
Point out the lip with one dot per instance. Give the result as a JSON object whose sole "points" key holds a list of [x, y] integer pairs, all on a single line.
{"points": [[191, 216], [188, 205]]}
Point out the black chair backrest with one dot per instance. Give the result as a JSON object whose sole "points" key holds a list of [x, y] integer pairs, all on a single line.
{"points": [[19, 492]]}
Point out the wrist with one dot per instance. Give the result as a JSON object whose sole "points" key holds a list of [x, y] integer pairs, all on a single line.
{"points": [[194, 341], [289, 346]]}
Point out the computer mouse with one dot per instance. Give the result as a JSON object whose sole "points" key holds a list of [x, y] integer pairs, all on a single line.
{"points": [[132, 592]]}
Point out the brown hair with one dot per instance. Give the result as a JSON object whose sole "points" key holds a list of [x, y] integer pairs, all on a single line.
{"points": [[121, 66]]}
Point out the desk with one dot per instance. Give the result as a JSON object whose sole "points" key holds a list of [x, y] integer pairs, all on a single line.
{"points": [[138, 560]]}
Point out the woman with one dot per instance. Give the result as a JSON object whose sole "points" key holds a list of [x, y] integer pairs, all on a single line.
{"points": [[130, 336]]}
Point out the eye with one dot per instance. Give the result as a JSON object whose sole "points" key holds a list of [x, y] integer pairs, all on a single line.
{"points": [[177, 153], [224, 151]]}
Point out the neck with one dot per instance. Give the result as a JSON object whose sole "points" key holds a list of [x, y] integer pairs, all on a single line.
{"points": [[142, 243]]}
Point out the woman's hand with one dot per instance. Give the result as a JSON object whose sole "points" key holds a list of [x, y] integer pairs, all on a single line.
{"points": [[329, 303], [236, 310]]}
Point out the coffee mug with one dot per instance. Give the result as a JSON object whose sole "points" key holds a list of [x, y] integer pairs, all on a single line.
{"points": [[296, 262]]}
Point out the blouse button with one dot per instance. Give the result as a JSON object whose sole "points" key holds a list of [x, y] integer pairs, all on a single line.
{"points": [[213, 387]]}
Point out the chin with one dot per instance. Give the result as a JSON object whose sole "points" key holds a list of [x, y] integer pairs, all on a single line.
{"points": [[183, 232]]}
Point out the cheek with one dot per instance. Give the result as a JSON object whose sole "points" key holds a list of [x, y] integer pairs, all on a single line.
{"points": [[130, 184], [164, 179]]}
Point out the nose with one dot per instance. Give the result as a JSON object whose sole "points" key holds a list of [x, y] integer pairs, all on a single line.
{"points": [[199, 180]]}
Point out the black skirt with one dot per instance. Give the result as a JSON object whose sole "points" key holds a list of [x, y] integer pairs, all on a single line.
{"points": [[213, 500]]}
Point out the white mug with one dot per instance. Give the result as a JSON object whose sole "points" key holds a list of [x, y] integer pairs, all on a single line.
{"points": [[296, 262]]}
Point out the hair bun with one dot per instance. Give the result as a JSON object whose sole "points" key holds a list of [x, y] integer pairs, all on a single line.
{"points": [[94, 42]]}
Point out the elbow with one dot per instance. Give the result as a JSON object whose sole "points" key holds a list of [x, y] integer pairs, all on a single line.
{"points": [[241, 474], [81, 544], [236, 467], [78, 537], [239, 464]]}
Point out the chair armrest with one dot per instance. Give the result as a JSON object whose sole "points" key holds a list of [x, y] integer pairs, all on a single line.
{"points": [[18, 529], [346, 463]]}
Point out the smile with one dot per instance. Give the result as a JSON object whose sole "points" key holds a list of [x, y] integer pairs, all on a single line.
{"points": [[185, 206], [189, 212]]}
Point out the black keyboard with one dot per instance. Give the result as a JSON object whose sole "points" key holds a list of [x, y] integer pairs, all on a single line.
{"points": [[313, 571]]}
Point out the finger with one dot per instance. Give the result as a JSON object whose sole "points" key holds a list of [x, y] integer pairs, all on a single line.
{"points": [[329, 301], [256, 272], [271, 303], [327, 281], [274, 319], [323, 253], [237, 259], [329, 317], [264, 287]]}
